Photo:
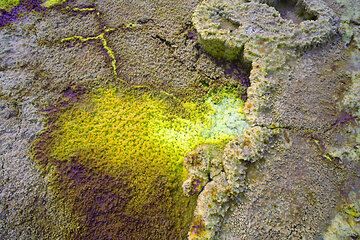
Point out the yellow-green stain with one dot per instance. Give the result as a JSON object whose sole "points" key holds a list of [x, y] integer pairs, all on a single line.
{"points": [[131, 25], [104, 43], [76, 9], [148, 135], [52, 3], [328, 157], [352, 211], [7, 5]]}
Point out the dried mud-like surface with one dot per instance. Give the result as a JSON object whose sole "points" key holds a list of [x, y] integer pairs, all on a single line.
{"points": [[292, 194]]}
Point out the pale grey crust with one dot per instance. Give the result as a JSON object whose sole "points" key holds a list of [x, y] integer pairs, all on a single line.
{"points": [[297, 70]]}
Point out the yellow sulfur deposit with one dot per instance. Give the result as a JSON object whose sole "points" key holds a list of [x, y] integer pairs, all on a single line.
{"points": [[145, 137]]}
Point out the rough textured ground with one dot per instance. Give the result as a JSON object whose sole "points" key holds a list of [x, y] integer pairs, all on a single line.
{"points": [[298, 189]]}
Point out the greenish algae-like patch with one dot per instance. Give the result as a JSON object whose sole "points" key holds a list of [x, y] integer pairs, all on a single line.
{"points": [[141, 138], [7, 5]]}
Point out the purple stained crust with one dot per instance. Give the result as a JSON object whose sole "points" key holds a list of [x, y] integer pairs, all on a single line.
{"points": [[196, 186], [192, 35], [344, 118], [73, 93], [238, 72], [25, 6]]}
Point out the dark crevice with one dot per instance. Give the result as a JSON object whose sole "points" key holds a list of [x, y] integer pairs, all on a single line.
{"points": [[144, 20], [163, 40], [355, 22], [239, 71]]}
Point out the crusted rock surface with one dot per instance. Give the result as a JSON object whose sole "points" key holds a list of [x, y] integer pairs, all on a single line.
{"points": [[292, 174]]}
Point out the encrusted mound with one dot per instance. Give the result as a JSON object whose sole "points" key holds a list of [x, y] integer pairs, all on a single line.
{"points": [[256, 33], [226, 26], [253, 32], [218, 175]]}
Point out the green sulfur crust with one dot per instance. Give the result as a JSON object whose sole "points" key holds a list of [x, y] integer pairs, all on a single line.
{"points": [[7, 5], [143, 133], [144, 137]]}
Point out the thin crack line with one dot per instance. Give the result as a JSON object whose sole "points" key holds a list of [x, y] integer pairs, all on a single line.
{"points": [[110, 52]]}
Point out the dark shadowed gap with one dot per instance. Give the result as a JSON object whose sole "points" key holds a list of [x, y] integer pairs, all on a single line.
{"points": [[239, 71]]}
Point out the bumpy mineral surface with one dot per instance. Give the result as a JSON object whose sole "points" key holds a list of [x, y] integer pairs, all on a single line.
{"points": [[189, 119]]}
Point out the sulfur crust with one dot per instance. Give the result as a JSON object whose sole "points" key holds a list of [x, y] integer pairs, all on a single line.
{"points": [[7, 5], [145, 135]]}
